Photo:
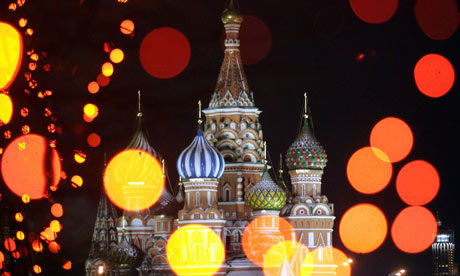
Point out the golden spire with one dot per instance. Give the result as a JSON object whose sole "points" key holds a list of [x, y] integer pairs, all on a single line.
{"points": [[139, 112], [231, 14], [200, 121], [265, 153], [280, 169], [305, 106]]}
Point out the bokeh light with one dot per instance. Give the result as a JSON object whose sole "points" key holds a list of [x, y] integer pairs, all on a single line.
{"points": [[127, 27], [363, 228], [117, 55], [6, 109], [20, 235], [438, 19], [37, 269], [93, 140], [367, 171], [102, 80], [262, 233], [76, 181], [417, 183], [107, 69], [9, 244], [79, 156], [195, 249], [164, 52], [133, 180], [374, 11], [37, 246], [323, 260], [414, 229], [93, 87], [10, 54], [256, 39], [91, 110], [392, 136], [67, 264], [434, 75], [279, 254], [57, 210], [29, 165], [54, 247], [19, 217], [56, 226], [25, 198]]}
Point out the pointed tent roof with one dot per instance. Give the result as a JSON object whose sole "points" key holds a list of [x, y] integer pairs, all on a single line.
{"points": [[105, 212], [232, 88]]}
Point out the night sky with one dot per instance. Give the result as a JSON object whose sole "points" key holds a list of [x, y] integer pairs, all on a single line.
{"points": [[314, 47]]}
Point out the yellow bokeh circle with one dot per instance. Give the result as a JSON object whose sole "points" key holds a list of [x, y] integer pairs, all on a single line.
{"points": [[134, 180]]}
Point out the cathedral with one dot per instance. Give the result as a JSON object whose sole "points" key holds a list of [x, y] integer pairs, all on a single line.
{"points": [[225, 183]]}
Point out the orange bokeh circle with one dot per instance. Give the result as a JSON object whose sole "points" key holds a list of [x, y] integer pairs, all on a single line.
{"points": [[117, 55], [57, 210], [93, 140], [127, 27], [29, 165], [93, 87], [414, 229], [134, 180], [262, 233], [363, 228], [195, 249], [392, 136], [434, 75], [91, 110], [417, 183], [367, 171], [107, 69], [324, 260]]}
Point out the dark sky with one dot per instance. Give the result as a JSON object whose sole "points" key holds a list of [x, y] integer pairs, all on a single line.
{"points": [[314, 49]]}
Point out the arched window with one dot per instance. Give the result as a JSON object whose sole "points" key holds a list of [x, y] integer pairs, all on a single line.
{"points": [[303, 189], [227, 195], [197, 199]]}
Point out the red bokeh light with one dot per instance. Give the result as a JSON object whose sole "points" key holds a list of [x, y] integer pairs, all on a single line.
{"points": [[102, 80], [369, 170], [434, 75], [127, 27], [414, 229], [374, 11], [29, 165], [256, 40], [164, 52], [394, 137], [93, 87], [438, 19], [417, 183], [363, 228], [94, 140]]}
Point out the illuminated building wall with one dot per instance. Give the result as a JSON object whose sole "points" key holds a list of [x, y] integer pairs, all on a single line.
{"points": [[443, 252]]}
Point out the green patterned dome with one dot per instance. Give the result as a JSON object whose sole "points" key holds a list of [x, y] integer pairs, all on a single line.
{"points": [[124, 253], [306, 152], [266, 195]]}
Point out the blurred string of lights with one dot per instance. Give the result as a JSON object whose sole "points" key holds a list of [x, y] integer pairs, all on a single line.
{"points": [[364, 227], [19, 149]]}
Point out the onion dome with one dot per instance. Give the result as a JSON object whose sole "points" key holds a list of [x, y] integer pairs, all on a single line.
{"points": [[140, 140], [200, 160], [306, 152], [266, 195], [231, 15], [124, 253]]}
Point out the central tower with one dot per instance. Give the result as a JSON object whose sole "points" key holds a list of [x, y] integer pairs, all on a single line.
{"points": [[232, 126]]}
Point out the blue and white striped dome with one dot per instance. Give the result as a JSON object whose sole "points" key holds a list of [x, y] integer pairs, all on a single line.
{"points": [[200, 160]]}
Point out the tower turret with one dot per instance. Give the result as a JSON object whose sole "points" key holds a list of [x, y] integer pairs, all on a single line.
{"points": [[443, 250], [309, 212]]}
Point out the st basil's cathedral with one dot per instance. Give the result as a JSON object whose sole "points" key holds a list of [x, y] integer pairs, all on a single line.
{"points": [[225, 183]]}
